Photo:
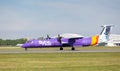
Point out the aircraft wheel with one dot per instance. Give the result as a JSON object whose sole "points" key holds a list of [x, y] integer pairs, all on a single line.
{"points": [[61, 48], [73, 49]]}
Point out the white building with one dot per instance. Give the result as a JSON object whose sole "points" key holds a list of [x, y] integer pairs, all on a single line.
{"points": [[114, 40]]}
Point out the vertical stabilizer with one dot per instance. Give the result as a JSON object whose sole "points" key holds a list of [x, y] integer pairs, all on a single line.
{"points": [[104, 35]]}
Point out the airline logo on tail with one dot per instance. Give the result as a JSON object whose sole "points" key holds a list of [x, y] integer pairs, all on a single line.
{"points": [[104, 35]]}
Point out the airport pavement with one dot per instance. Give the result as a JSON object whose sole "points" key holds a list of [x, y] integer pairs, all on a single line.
{"points": [[49, 51]]}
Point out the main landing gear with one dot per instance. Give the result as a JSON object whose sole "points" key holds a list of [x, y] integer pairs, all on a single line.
{"points": [[73, 48], [61, 48]]}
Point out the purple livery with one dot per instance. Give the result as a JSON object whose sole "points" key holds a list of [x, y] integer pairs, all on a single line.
{"points": [[72, 42]]}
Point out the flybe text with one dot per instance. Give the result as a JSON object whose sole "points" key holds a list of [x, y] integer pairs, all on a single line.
{"points": [[46, 43]]}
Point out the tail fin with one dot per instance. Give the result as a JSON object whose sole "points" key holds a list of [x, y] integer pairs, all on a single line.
{"points": [[104, 35]]}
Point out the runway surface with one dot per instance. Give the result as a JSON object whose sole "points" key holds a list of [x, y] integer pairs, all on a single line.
{"points": [[49, 51]]}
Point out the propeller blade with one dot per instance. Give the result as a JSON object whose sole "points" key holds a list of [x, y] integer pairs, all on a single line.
{"points": [[59, 38], [48, 37]]}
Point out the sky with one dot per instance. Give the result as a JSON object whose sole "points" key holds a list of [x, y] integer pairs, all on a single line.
{"points": [[36, 18]]}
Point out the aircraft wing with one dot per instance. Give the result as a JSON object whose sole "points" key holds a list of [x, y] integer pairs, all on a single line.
{"points": [[70, 36]]}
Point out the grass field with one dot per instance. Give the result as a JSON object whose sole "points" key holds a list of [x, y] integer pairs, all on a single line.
{"points": [[108, 61]]}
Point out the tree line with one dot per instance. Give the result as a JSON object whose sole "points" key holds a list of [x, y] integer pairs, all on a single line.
{"points": [[9, 42]]}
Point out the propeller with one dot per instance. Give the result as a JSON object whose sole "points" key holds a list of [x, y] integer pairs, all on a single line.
{"points": [[60, 41], [48, 37], [59, 38]]}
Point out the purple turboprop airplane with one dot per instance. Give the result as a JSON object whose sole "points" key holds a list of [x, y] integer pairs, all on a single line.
{"points": [[61, 42]]}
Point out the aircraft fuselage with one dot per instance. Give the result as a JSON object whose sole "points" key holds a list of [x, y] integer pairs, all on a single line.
{"points": [[53, 42]]}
